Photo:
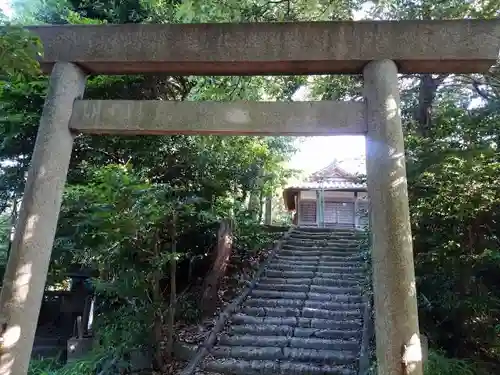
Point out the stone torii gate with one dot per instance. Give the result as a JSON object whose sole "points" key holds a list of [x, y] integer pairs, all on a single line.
{"points": [[378, 50]]}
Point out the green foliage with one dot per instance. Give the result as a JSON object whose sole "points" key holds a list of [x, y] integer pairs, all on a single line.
{"points": [[43, 367], [118, 224], [455, 199], [91, 364], [438, 364], [5, 230], [18, 52], [249, 234]]}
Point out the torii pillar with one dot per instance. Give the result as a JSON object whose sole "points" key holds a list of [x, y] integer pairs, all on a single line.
{"points": [[396, 319], [28, 264]]}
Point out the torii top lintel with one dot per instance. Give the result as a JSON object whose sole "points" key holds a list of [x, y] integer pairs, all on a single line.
{"points": [[451, 46]]}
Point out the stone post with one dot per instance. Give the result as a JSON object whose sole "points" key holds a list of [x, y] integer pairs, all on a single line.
{"points": [[268, 218], [356, 213], [321, 208], [26, 272], [396, 318]]}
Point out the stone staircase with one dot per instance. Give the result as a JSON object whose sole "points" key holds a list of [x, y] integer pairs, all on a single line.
{"points": [[305, 314]]}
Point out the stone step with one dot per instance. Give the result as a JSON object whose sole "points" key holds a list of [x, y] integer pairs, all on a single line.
{"points": [[318, 252], [296, 238], [341, 240], [272, 311], [293, 354], [289, 274], [312, 274], [335, 290], [323, 281], [245, 319], [316, 255], [267, 302], [324, 333], [283, 287], [328, 281], [352, 346], [259, 293], [303, 287], [324, 231], [320, 268], [333, 305], [319, 262], [291, 266], [326, 235], [251, 340], [330, 314], [342, 268], [328, 232], [346, 324], [315, 260], [305, 312], [292, 342], [337, 239], [233, 366], [265, 280], [324, 305], [311, 248], [358, 276], [323, 258], [285, 330], [262, 330], [315, 296], [309, 244], [340, 298]]}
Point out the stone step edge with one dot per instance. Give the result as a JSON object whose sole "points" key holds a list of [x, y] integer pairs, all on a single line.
{"points": [[277, 330], [298, 322], [291, 341], [281, 367], [276, 353]]}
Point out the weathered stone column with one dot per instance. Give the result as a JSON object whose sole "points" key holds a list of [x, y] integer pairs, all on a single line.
{"points": [[396, 318], [356, 213], [26, 272], [268, 218]]}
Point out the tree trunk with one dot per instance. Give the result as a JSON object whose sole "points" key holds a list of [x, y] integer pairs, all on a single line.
{"points": [[219, 268], [173, 287], [158, 312], [254, 203], [426, 96], [13, 220], [261, 206]]}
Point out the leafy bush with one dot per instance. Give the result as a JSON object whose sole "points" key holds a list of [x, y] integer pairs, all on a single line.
{"points": [[91, 364], [438, 364]]}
